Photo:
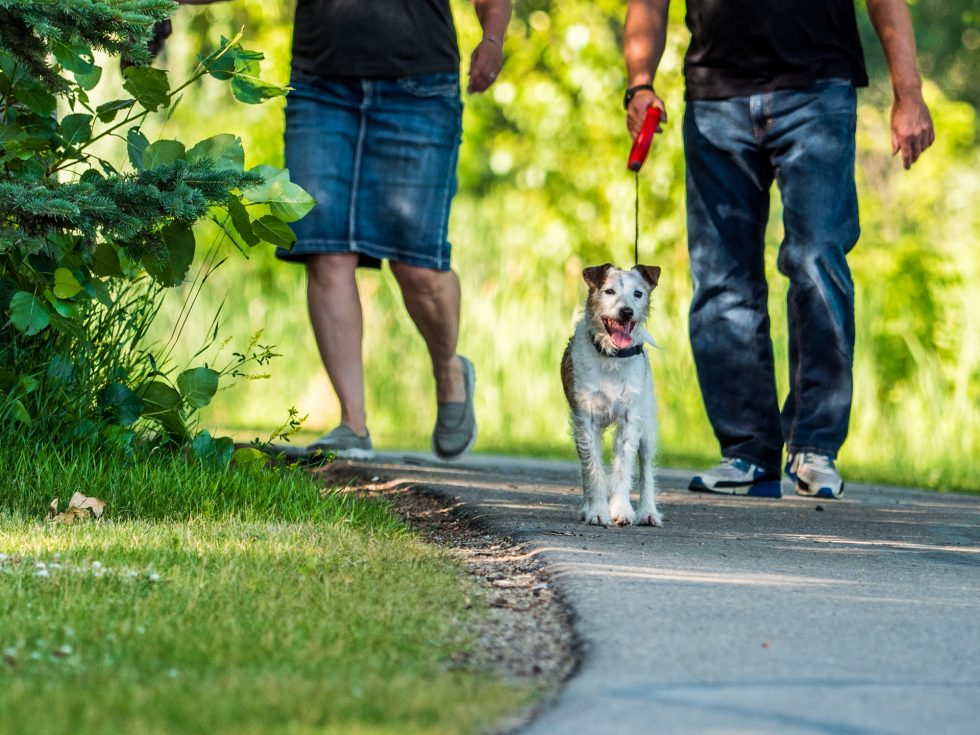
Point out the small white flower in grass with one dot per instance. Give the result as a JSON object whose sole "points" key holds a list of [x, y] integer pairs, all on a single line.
{"points": [[153, 577], [4, 557], [96, 565], [132, 573], [40, 565], [57, 555], [62, 651], [42, 573]]}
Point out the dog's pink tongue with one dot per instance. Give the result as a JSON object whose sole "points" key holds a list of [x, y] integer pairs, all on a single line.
{"points": [[619, 334]]}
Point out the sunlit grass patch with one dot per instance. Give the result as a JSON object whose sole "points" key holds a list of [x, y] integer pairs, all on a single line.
{"points": [[212, 621]]}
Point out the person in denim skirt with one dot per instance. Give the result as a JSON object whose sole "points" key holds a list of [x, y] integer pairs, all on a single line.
{"points": [[770, 90], [373, 127]]}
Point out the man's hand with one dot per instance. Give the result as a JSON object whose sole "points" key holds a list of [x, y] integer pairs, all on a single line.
{"points": [[485, 64], [912, 130], [637, 110]]}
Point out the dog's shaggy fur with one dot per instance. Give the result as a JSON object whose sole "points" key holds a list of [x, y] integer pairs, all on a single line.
{"points": [[603, 389]]}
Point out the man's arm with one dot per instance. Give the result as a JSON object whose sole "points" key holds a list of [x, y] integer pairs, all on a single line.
{"points": [[644, 39], [911, 124], [488, 56]]}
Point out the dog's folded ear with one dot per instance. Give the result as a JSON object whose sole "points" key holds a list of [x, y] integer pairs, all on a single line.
{"points": [[595, 275], [650, 273]]}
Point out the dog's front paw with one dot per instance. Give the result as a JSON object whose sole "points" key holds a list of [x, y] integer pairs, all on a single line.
{"points": [[595, 515], [647, 516], [621, 512]]}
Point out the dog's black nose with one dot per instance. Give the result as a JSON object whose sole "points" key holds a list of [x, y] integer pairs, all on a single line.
{"points": [[626, 314]]}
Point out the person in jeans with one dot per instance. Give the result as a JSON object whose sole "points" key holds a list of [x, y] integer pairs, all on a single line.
{"points": [[770, 89], [373, 127]]}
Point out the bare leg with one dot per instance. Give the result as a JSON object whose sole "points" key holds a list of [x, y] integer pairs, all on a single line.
{"points": [[335, 313], [432, 298]]}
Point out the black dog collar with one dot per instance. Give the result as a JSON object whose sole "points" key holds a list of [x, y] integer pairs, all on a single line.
{"points": [[625, 352]]}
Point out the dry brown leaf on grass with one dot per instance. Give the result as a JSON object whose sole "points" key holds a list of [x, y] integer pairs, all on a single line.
{"points": [[79, 507]]}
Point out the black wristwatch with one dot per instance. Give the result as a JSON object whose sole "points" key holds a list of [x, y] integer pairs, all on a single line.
{"points": [[628, 97]]}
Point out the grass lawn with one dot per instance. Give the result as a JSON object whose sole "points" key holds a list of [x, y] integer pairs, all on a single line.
{"points": [[212, 601]]}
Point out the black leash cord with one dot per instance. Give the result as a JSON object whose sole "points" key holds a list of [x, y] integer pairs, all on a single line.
{"points": [[636, 219]]}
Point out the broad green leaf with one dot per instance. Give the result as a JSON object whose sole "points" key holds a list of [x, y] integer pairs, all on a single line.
{"points": [[136, 145], [76, 58], [27, 313], [105, 261], [65, 284], [250, 458], [251, 90], [89, 80], [169, 267], [162, 152], [70, 310], [61, 370], [225, 150], [221, 63], [121, 403], [107, 111], [76, 129], [20, 412], [99, 290], [274, 231], [198, 386], [287, 200], [271, 176], [162, 404], [212, 450], [241, 221], [246, 84], [37, 99], [149, 86], [27, 384]]}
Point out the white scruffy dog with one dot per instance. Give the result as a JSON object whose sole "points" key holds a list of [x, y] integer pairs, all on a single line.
{"points": [[607, 381]]}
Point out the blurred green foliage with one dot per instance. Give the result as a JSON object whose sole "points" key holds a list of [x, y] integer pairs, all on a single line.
{"points": [[544, 191]]}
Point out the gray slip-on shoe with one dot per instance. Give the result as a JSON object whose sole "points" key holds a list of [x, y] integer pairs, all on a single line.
{"points": [[343, 442], [455, 431]]}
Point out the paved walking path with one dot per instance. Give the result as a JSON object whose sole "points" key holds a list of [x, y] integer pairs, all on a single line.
{"points": [[748, 615]]}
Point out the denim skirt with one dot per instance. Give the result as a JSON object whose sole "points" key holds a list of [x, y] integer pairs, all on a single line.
{"points": [[379, 156]]}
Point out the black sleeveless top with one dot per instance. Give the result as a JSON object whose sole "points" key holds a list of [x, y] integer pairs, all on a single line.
{"points": [[742, 47], [374, 38]]}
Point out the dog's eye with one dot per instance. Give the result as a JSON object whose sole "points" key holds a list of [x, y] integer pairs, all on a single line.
{"points": [[638, 294], [610, 291]]}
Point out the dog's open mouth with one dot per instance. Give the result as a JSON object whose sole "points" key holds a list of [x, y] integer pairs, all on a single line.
{"points": [[621, 333]]}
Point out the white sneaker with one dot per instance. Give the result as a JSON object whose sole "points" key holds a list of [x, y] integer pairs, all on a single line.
{"points": [[735, 476], [815, 475]]}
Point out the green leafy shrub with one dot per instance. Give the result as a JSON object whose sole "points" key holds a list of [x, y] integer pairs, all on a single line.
{"points": [[87, 250]]}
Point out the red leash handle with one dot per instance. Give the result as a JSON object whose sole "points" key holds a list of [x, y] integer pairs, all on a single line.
{"points": [[641, 146]]}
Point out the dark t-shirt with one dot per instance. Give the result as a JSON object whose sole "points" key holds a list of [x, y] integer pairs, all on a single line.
{"points": [[374, 38], [742, 47]]}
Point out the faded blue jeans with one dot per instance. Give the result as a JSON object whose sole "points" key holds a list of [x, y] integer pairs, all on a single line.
{"points": [[804, 140]]}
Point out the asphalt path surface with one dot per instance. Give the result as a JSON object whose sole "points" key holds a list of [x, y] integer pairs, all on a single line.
{"points": [[858, 616]]}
